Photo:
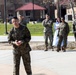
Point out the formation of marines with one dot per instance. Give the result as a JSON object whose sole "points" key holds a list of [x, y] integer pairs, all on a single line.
{"points": [[63, 31]]}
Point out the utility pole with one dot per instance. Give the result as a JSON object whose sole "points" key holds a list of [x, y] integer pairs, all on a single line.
{"points": [[33, 12], [5, 17], [15, 4], [24, 13], [58, 9]]}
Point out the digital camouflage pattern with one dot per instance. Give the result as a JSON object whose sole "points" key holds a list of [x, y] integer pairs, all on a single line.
{"points": [[48, 33], [63, 33], [22, 33]]}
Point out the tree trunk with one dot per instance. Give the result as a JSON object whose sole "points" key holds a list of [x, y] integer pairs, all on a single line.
{"points": [[58, 8], [73, 13]]}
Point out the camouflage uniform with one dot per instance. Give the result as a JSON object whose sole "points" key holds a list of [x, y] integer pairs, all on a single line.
{"points": [[63, 33], [74, 28], [21, 33], [48, 33]]}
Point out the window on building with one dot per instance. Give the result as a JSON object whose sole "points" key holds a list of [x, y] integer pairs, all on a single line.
{"points": [[27, 13]]}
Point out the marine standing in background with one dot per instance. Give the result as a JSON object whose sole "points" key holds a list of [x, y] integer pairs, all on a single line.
{"points": [[19, 37], [63, 33], [48, 32], [22, 20]]}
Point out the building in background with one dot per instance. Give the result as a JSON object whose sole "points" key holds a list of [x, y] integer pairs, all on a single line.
{"points": [[66, 10], [12, 5], [50, 6]]}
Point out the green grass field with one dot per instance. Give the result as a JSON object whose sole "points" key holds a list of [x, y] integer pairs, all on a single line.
{"points": [[2, 28], [35, 29]]}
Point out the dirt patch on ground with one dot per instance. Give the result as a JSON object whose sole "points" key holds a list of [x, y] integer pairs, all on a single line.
{"points": [[36, 46]]}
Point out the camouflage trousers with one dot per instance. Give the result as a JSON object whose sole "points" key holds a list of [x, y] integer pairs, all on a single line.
{"points": [[26, 62], [50, 37], [64, 39]]}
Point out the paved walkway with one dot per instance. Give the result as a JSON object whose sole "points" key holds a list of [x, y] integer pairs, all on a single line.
{"points": [[34, 38], [43, 63]]}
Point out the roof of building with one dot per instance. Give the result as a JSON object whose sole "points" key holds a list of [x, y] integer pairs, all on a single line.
{"points": [[66, 2], [30, 6]]}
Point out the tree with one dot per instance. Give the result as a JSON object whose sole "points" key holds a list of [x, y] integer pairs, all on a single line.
{"points": [[57, 2], [72, 6], [47, 4]]}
